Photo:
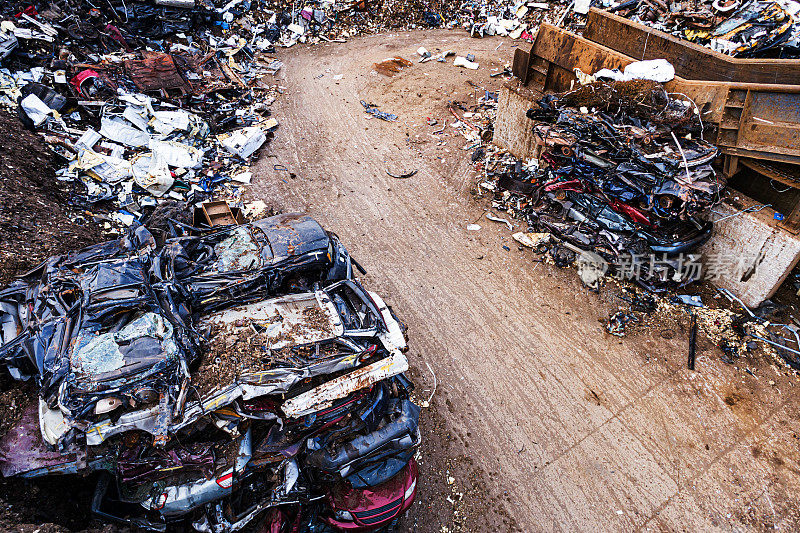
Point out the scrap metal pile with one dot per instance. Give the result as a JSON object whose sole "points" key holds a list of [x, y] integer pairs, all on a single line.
{"points": [[230, 377], [141, 102], [622, 171], [518, 20], [741, 28]]}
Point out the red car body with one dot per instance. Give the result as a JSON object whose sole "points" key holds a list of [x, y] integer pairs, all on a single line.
{"points": [[375, 507]]}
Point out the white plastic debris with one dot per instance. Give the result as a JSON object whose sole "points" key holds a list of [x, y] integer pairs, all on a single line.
{"points": [[515, 34], [531, 239], [254, 209], [51, 423], [424, 54], [36, 110], [659, 70], [102, 167], [166, 122], [493, 218], [243, 142], [8, 41], [176, 154], [243, 177], [582, 6], [88, 139], [461, 61], [790, 6], [121, 132], [151, 173], [123, 218], [296, 28]]}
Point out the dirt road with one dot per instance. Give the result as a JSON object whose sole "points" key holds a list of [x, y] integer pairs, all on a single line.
{"points": [[540, 421]]}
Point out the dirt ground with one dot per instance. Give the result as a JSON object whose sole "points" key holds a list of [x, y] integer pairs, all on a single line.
{"points": [[36, 220], [539, 421]]}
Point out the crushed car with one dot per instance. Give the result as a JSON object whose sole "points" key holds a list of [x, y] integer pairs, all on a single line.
{"points": [[208, 381], [243, 263]]}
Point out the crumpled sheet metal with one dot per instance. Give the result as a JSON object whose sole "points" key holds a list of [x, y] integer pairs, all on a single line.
{"points": [[120, 343], [239, 251], [187, 496], [744, 29], [323, 396], [191, 473], [403, 428], [100, 354]]}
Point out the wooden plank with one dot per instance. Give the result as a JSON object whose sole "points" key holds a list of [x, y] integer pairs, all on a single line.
{"points": [[691, 61]]}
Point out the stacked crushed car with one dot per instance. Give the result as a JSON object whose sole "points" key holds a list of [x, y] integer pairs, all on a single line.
{"points": [[622, 171], [228, 377]]}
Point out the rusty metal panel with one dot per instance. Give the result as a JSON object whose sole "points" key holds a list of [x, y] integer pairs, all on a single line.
{"points": [[521, 64], [323, 396], [211, 77], [569, 51], [771, 121], [157, 72]]}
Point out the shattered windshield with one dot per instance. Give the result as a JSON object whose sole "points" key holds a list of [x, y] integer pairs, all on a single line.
{"points": [[143, 341], [239, 251]]}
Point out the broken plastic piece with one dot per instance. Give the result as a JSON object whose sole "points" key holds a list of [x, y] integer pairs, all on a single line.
{"points": [[461, 61], [375, 112], [243, 142]]}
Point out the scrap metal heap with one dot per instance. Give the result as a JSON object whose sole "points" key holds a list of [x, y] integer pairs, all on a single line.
{"points": [[142, 102], [622, 171], [740, 28], [232, 376]]}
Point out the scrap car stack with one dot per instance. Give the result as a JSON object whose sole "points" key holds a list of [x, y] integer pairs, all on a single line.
{"points": [[229, 377]]}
